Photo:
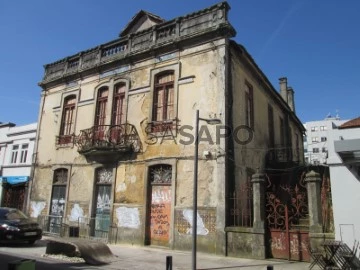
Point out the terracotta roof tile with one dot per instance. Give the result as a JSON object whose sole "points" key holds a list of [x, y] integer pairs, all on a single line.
{"points": [[351, 123]]}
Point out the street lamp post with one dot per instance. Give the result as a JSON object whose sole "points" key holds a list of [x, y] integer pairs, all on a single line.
{"points": [[212, 121]]}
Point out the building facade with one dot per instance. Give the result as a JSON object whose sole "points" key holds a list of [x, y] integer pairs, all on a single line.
{"points": [[317, 140], [115, 145], [16, 150], [344, 164]]}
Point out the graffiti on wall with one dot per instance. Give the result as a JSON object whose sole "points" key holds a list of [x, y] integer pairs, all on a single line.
{"points": [[128, 217], [206, 221], [57, 207], [76, 213], [296, 243], [160, 213], [278, 242], [36, 208], [188, 215]]}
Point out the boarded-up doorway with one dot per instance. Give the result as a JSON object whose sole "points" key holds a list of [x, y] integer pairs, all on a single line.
{"points": [[160, 204]]}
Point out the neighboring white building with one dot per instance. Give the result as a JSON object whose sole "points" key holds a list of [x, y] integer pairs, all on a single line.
{"points": [[344, 164], [317, 142], [16, 150]]}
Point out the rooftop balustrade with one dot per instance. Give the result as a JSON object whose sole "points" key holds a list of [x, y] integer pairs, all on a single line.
{"points": [[193, 25]]}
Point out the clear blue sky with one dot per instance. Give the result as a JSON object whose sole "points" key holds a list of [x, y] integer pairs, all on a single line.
{"points": [[315, 44]]}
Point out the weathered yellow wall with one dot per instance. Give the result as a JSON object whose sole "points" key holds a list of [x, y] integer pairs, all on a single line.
{"points": [[204, 91], [252, 155], [130, 184]]}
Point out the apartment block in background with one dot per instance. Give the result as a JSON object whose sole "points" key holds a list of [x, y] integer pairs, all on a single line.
{"points": [[318, 139], [16, 151]]}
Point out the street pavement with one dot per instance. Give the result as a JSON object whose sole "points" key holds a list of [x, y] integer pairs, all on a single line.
{"points": [[140, 257]]}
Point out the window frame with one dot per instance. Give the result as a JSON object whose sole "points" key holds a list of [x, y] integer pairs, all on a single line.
{"points": [[118, 106], [271, 126], [249, 105], [175, 68], [101, 105], [57, 184], [14, 154], [159, 128], [24, 153], [68, 120], [167, 90], [315, 139], [282, 131]]}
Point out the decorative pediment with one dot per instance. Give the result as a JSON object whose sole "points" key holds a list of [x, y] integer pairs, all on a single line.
{"points": [[141, 21]]}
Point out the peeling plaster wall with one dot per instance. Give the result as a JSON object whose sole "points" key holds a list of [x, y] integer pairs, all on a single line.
{"points": [[206, 187], [81, 184], [129, 186], [41, 189], [36, 208]]}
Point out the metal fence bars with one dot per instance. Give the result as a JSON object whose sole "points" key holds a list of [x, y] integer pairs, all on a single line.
{"points": [[241, 206], [95, 228], [51, 224]]}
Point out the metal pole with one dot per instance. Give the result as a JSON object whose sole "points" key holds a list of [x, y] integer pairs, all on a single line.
{"points": [[168, 262], [194, 223]]}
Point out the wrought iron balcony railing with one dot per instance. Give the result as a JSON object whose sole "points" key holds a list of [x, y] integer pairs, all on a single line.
{"points": [[119, 138], [157, 131], [283, 154]]}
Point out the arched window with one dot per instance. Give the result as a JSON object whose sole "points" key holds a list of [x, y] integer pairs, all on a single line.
{"points": [[102, 99], [67, 120], [118, 116], [102, 202], [163, 106], [160, 202], [58, 199], [161, 174], [100, 114], [249, 106]]}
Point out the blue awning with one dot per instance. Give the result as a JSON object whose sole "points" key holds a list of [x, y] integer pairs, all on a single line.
{"points": [[13, 180]]}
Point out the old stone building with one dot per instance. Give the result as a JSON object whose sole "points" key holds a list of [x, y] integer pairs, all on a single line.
{"points": [[115, 142]]}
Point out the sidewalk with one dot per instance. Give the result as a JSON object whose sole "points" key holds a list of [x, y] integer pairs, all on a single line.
{"points": [[151, 258], [128, 257]]}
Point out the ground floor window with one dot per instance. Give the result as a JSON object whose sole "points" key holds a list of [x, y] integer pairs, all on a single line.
{"points": [[102, 203]]}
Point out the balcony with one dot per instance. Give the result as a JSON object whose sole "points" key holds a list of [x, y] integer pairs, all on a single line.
{"points": [[348, 150], [281, 155], [108, 143], [158, 131]]}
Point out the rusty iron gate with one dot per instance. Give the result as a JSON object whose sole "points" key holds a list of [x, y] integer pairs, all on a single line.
{"points": [[287, 216], [14, 196]]}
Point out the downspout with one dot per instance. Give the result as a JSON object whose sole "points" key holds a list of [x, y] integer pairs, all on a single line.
{"points": [[34, 155]]}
